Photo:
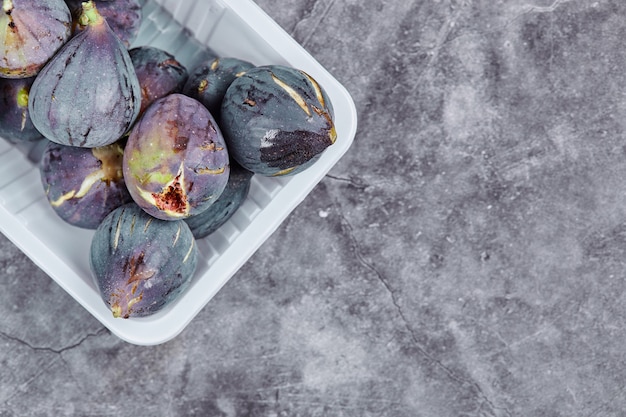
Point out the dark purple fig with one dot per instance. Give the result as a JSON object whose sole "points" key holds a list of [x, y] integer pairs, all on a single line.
{"points": [[141, 264], [276, 120], [209, 81], [235, 193], [159, 73], [175, 160], [123, 16], [31, 32], [15, 123], [88, 94], [83, 185]]}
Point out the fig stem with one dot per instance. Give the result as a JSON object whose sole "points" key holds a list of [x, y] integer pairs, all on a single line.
{"points": [[22, 97], [90, 14], [7, 6], [116, 310]]}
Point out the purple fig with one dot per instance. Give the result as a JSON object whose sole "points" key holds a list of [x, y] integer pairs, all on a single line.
{"points": [[15, 123], [141, 264], [235, 193], [31, 32], [175, 160], [209, 81], [83, 185], [123, 16], [159, 73], [276, 120], [88, 94]]}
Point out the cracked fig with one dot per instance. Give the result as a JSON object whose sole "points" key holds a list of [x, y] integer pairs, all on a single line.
{"points": [[141, 264], [276, 120], [175, 161]]}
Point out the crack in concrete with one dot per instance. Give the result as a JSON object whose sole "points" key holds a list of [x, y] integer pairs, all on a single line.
{"points": [[355, 183], [306, 40], [546, 9], [50, 349], [470, 385], [308, 9]]}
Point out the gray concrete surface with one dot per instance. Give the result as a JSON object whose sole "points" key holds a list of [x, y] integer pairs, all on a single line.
{"points": [[465, 258]]}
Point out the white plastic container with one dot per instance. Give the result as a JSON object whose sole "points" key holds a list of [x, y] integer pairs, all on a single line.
{"points": [[237, 28]]}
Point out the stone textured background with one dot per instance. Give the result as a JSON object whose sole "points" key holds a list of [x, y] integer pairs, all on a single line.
{"points": [[465, 258]]}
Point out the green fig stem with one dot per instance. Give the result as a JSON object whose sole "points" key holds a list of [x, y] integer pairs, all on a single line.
{"points": [[22, 97], [89, 15], [22, 102], [7, 6], [116, 310]]}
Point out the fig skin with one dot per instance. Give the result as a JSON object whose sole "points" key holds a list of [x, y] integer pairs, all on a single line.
{"points": [[209, 81], [277, 120], [83, 185], [15, 123], [123, 16], [175, 162], [205, 223], [88, 94], [31, 32], [141, 264], [159, 73]]}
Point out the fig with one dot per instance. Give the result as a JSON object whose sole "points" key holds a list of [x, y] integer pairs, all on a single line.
{"points": [[141, 264], [175, 161], [83, 185], [88, 94], [123, 16], [276, 120], [235, 193], [15, 123], [31, 32], [159, 73], [209, 81]]}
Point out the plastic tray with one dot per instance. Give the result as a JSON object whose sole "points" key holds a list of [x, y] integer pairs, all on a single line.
{"points": [[192, 31]]}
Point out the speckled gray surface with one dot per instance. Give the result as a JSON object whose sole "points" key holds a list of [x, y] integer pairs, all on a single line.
{"points": [[466, 257]]}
